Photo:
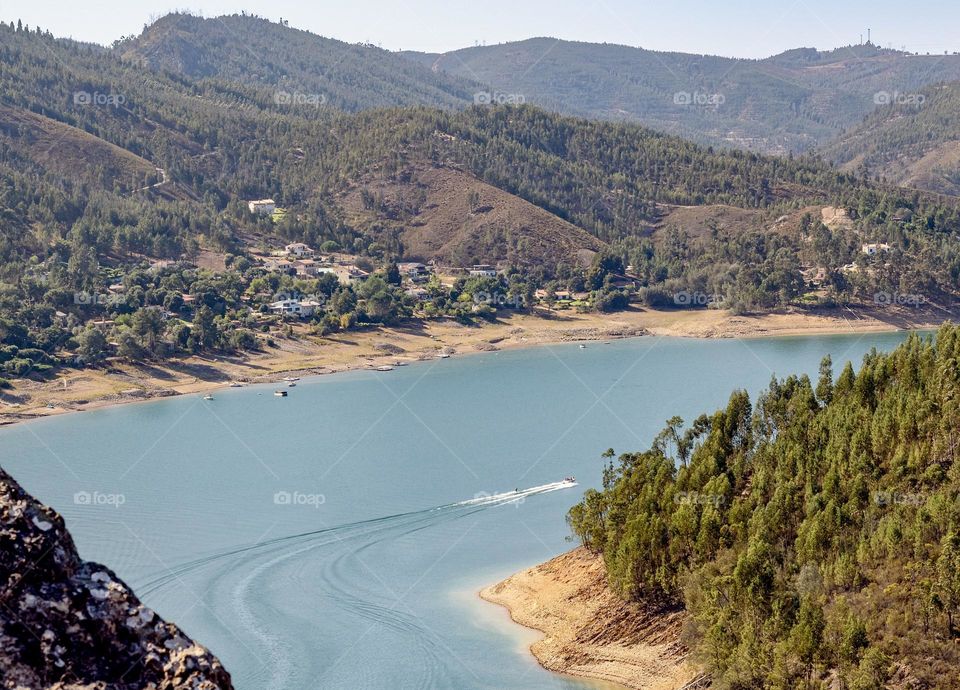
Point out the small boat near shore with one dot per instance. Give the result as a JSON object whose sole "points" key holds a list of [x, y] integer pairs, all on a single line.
{"points": [[280, 393], [385, 367], [208, 397]]}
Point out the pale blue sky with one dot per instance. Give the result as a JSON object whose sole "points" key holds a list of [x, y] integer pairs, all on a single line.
{"points": [[742, 28]]}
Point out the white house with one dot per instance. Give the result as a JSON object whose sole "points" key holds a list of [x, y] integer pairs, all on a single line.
{"points": [[278, 264], [483, 270], [875, 247], [418, 293], [298, 249], [263, 207], [294, 307], [412, 269]]}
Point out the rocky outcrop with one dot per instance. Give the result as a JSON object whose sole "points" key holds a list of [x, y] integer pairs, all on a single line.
{"points": [[70, 624]]}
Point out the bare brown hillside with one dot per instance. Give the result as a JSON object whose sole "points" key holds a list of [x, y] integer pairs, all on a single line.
{"points": [[698, 221], [446, 214], [934, 169], [67, 150]]}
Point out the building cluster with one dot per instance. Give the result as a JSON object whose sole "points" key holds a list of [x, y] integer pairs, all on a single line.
{"points": [[301, 260], [298, 259]]}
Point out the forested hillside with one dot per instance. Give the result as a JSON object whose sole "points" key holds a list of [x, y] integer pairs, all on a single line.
{"points": [[303, 68], [107, 167], [911, 142], [812, 536], [794, 101]]}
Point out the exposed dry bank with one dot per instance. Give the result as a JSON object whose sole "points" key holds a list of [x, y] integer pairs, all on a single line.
{"points": [[120, 382], [591, 633]]}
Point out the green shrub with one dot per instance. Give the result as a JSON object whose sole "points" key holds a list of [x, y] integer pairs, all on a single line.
{"points": [[18, 366]]}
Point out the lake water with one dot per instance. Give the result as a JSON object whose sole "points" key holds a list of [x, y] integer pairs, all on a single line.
{"points": [[336, 538]]}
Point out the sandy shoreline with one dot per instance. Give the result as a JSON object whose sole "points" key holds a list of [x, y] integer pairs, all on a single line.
{"points": [[590, 633], [307, 355]]}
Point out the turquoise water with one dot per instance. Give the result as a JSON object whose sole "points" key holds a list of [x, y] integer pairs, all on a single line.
{"points": [[336, 538]]}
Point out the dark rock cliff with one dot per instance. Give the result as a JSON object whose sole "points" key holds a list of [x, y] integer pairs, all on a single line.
{"points": [[69, 624]]}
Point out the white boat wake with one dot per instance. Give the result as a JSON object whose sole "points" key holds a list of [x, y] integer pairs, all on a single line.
{"points": [[352, 530], [255, 583]]}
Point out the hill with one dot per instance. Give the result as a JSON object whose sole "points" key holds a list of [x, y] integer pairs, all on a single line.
{"points": [[222, 140], [913, 142], [533, 191], [447, 215], [61, 149], [811, 536], [305, 70], [794, 101]]}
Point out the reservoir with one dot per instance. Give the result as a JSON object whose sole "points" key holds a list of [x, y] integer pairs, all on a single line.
{"points": [[336, 538]]}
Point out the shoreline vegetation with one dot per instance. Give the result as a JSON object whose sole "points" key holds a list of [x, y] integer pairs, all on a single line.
{"points": [[119, 382], [591, 633], [809, 532], [804, 538]]}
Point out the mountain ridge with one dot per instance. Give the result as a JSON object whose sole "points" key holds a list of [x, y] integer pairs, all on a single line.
{"points": [[790, 102], [324, 71]]}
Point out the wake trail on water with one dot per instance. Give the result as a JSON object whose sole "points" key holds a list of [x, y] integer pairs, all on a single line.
{"points": [[351, 531], [253, 598]]}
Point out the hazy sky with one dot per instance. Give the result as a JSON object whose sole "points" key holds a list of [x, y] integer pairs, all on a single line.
{"points": [[743, 28]]}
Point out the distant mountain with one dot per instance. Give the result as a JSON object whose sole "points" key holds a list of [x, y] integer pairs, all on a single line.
{"points": [[106, 165], [792, 102], [913, 141], [155, 163], [303, 68]]}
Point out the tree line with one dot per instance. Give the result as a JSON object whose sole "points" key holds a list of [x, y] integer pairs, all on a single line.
{"points": [[812, 536]]}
